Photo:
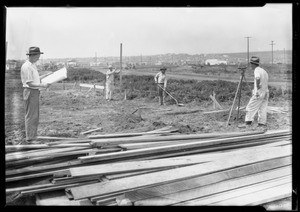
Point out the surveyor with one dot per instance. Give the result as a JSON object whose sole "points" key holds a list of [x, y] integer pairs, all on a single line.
{"points": [[109, 85], [32, 84], [260, 95], [161, 81]]}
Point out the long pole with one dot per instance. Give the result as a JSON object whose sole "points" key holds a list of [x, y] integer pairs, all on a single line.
{"points": [[272, 44], [248, 50], [121, 65]]}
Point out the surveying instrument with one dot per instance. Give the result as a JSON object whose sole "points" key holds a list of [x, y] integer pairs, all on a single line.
{"points": [[238, 92]]}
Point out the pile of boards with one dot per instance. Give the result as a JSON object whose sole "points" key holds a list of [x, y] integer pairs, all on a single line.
{"points": [[158, 167]]}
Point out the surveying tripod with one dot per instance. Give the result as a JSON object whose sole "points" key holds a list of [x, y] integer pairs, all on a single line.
{"points": [[238, 93]]}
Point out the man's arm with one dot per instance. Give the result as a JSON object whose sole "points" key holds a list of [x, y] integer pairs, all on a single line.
{"points": [[38, 85], [45, 75]]}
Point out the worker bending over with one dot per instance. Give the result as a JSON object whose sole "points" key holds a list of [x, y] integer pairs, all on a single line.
{"points": [[161, 81]]}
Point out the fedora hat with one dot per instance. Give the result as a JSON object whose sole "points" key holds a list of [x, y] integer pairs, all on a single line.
{"points": [[254, 60], [34, 50], [163, 68]]}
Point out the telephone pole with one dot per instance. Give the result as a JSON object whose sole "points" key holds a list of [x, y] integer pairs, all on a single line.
{"points": [[248, 50], [272, 44], [121, 64]]}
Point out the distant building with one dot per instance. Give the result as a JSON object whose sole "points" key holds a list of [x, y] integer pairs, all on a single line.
{"points": [[71, 63], [13, 65], [215, 62]]}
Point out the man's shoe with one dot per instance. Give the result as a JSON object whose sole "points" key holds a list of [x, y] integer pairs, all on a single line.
{"points": [[34, 142], [246, 124]]}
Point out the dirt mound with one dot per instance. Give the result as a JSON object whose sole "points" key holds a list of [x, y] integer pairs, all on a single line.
{"points": [[125, 121]]}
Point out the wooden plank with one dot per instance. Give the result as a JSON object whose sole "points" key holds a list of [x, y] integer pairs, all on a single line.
{"points": [[23, 155], [141, 165], [54, 188], [276, 177], [90, 131], [101, 87], [213, 178], [57, 198], [53, 138], [132, 146], [117, 141], [10, 148], [214, 199], [191, 183], [180, 147], [43, 168], [30, 176], [206, 150], [260, 197], [114, 168], [178, 173]]}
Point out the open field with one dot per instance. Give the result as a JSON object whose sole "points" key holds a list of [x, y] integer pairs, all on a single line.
{"points": [[71, 111]]}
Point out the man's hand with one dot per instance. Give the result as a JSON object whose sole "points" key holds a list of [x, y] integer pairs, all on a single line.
{"points": [[45, 85]]}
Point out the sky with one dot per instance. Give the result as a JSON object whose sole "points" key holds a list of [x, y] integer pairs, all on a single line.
{"points": [[63, 32]]}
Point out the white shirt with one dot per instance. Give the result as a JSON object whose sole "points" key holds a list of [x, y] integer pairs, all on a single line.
{"points": [[261, 74], [161, 78], [29, 73]]}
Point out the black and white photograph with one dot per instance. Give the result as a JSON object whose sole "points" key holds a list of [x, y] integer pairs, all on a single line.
{"points": [[149, 106]]}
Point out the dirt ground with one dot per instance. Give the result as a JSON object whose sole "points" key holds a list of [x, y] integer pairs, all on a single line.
{"points": [[70, 111], [67, 111]]}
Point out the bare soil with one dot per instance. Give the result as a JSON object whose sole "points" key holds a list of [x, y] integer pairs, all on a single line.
{"points": [[70, 111]]}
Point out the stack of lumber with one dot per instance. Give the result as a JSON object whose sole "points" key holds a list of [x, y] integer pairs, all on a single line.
{"points": [[241, 168]]}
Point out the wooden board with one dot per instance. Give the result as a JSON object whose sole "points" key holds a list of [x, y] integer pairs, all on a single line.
{"points": [[264, 196], [180, 147], [132, 146], [223, 186], [117, 141], [238, 192], [121, 167], [57, 198], [24, 155], [210, 179], [178, 173]]}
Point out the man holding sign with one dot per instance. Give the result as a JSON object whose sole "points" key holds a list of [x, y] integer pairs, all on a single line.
{"points": [[32, 84]]}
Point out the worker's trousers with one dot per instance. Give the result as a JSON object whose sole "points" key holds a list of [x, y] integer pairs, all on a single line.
{"points": [[257, 105], [108, 91], [32, 112], [161, 94]]}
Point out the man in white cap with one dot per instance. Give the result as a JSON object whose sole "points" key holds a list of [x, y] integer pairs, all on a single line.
{"points": [[109, 85], [260, 95], [32, 84]]}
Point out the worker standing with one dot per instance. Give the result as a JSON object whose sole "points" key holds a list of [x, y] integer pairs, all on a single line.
{"points": [[161, 81], [109, 86], [260, 95], [32, 84]]}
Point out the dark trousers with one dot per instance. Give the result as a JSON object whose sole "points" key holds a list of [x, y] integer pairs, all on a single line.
{"points": [[161, 93], [31, 100]]}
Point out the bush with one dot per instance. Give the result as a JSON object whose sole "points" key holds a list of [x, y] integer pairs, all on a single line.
{"points": [[84, 75]]}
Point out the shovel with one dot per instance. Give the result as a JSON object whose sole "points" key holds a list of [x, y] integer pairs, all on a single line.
{"points": [[180, 105]]}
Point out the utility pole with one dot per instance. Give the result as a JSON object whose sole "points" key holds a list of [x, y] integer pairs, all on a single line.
{"points": [[272, 44], [121, 65], [247, 50]]}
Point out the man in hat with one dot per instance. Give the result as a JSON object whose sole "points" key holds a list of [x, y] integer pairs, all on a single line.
{"points": [[161, 81], [109, 85], [32, 84], [260, 95]]}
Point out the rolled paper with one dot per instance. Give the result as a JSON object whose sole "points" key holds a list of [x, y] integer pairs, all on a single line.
{"points": [[56, 76]]}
